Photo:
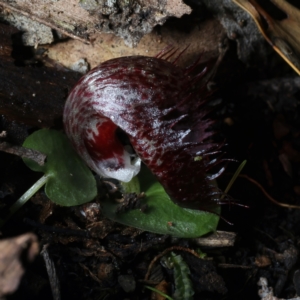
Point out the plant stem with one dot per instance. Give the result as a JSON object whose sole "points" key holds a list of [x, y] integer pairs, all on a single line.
{"points": [[234, 177], [24, 198], [158, 292]]}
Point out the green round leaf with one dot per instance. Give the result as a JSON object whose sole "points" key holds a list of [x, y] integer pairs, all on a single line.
{"points": [[162, 215], [70, 181]]}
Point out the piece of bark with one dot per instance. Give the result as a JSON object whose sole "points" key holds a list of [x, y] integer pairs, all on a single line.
{"points": [[30, 93], [14, 253], [34, 32], [201, 39], [130, 20]]}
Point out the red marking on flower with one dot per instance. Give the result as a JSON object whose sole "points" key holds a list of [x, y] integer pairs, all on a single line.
{"points": [[102, 143]]}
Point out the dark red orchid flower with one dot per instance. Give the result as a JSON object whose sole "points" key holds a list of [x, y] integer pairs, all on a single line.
{"points": [[162, 109]]}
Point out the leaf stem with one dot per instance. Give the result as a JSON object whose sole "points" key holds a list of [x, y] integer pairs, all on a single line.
{"points": [[25, 197], [234, 177], [158, 292]]}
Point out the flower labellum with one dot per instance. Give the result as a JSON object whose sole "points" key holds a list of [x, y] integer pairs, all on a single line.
{"points": [[162, 110]]}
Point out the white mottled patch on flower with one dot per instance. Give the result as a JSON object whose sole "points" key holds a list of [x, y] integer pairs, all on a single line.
{"points": [[92, 126], [159, 162], [150, 145], [111, 168]]}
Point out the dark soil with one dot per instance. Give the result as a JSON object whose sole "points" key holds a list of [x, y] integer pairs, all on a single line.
{"points": [[257, 113]]}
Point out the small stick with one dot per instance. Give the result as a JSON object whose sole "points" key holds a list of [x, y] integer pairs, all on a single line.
{"points": [[35, 155], [52, 274], [267, 195], [217, 239]]}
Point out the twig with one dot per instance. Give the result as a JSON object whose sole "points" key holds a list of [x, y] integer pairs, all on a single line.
{"points": [[52, 274], [154, 260], [217, 239], [232, 266], [267, 195], [37, 156]]}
